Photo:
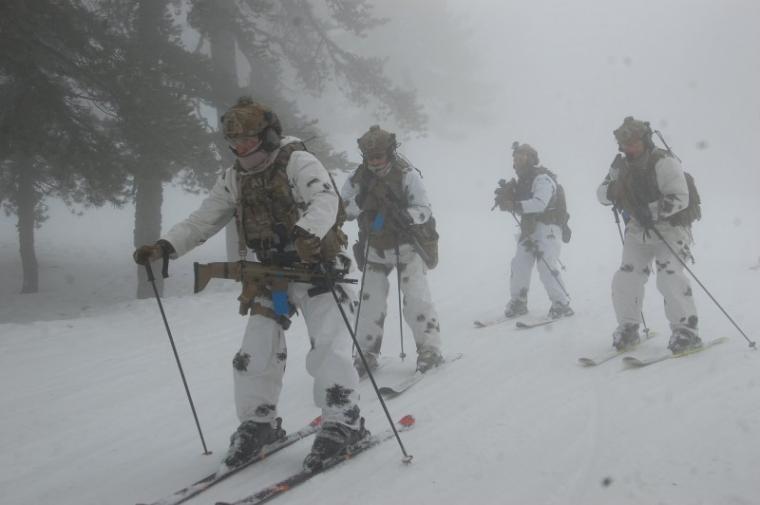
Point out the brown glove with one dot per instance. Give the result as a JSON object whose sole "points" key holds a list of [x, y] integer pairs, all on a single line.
{"points": [[509, 205], [307, 245], [147, 253]]}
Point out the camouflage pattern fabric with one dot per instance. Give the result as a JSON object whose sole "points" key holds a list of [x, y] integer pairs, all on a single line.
{"points": [[632, 130], [248, 119], [377, 141]]}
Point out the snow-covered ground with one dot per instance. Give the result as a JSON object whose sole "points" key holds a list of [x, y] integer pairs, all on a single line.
{"points": [[92, 410]]}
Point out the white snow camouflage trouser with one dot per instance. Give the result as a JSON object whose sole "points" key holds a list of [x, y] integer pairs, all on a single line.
{"points": [[548, 240], [259, 366], [418, 310], [636, 265]]}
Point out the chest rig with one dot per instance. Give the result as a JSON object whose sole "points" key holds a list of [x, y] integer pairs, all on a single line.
{"points": [[267, 210], [373, 201], [556, 210]]}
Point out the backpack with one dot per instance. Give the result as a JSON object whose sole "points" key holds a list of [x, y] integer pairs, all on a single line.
{"points": [[557, 211], [562, 214], [693, 211]]}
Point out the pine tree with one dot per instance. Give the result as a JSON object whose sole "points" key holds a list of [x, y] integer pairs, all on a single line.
{"points": [[52, 142]]}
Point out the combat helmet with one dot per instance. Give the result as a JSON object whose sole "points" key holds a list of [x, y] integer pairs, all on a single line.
{"points": [[518, 148], [377, 142], [632, 130], [251, 119]]}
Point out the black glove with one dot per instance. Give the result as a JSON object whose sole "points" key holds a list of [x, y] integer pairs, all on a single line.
{"points": [[643, 215], [358, 249], [307, 245], [504, 195], [147, 253]]}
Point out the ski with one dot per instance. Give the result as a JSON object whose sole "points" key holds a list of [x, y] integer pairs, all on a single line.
{"points": [[613, 353], [195, 489], [394, 390], [270, 492], [523, 325], [485, 323], [383, 361], [633, 362]]}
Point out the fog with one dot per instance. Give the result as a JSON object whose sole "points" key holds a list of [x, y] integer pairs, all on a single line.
{"points": [[91, 379], [560, 76]]}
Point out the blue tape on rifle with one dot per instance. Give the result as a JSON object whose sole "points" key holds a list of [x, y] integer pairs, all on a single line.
{"points": [[280, 301], [378, 223]]}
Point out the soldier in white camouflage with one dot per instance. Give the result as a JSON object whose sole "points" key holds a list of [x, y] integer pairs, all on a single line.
{"points": [[384, 186], [649, 187], [287, 208], [536, 197]]}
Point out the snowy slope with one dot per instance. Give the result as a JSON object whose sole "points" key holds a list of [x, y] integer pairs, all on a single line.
{"points": [[93, 411]]}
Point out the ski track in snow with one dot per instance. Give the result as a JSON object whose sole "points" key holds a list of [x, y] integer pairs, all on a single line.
{"points": [[96, 413]]}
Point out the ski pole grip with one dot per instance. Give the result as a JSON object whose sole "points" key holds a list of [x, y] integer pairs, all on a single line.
{"points": [[165, 265], [149, 271]]}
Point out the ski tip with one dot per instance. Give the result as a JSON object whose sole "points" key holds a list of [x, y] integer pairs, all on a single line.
{"points": [[407, 421], [478, 324]]}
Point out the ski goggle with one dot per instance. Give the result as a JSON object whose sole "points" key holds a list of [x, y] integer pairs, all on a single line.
{"points": [[243, 145]]}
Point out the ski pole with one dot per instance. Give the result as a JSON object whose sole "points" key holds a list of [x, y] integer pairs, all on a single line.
{"points": [[752, 344], [361, 287], [400, 312], [662, 139], [152, 280], [331, 284], [622, 241]]}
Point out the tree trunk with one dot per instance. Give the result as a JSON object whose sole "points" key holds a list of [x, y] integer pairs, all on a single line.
{"points": [[226, 91], [27, 202], [148, 199]]}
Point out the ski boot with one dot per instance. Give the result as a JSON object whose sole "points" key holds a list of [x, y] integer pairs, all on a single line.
{"points": [[332, 440], [249, 439], [558, 310], [626, 336], [372, 359], [428, 358], [683, 340], [515, 308]]}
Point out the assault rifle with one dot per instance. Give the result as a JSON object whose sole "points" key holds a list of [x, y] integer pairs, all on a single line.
{"points": [[263, 274], [269, 280], [505, 191], [414, 233]]}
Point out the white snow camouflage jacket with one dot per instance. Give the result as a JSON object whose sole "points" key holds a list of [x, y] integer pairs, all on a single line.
{"points": [[671, 183], [320, 202], [419, 211]]}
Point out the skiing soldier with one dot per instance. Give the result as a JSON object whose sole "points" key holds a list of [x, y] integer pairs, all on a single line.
{"points": [[650, 188], [285, 205], [396, 230], [539, 200]]}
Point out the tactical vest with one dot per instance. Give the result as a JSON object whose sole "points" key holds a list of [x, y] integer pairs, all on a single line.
{"points": [[371, 204], [639, 187], [269, 211], [556, 210]]}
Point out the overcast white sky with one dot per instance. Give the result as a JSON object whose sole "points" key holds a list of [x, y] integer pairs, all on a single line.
{"points": [[561, 76]]}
